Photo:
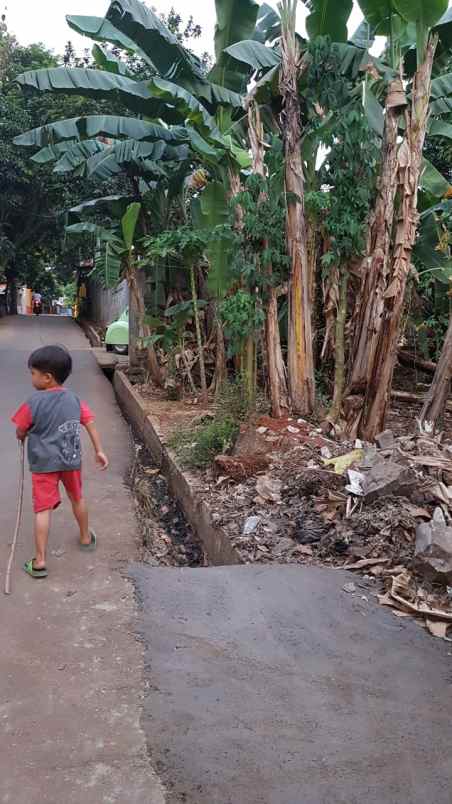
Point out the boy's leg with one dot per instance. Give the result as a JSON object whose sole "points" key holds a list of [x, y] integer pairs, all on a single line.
{"points": [[80, 510], [72, 482], [45, 499], [42, 527]]}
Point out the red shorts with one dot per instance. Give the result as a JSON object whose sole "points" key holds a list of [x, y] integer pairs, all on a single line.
{"points": [[46, 491]]}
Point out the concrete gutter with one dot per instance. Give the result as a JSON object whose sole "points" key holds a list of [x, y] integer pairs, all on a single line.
{"points": [[183, 486]]}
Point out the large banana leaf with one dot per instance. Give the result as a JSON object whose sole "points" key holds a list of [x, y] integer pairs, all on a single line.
{"points": [[101, 30], [78, 154], [85, 228], [137, 159], [81, 128], [113, 204], [236, 20], [187, 106], [328, 18], [428, 252], [441, 106], [444, 29], [254, 54], [52, 152], [363, 36], [129, 223], [115, 156], [210, 212], [374, 112], [427, 12], [432, 181], [98, 84], [378, 15], [200, 146], [268, 26], [106, 60], [109, 254], [440, 128], [138, 22], [213, 95], [442, 86], [353, 61]]}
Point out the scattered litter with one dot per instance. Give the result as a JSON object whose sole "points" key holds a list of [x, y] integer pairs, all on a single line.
{"points": [[343, 462], [250, 525], [386, 440], [355, 484], [437, 628], [350, 588]]}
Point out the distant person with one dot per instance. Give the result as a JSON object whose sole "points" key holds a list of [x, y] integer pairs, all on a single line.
{"points": [[51, 419], [37, 303]]}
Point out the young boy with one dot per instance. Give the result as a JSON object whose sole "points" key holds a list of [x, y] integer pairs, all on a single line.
{"points": [[51, 420]]}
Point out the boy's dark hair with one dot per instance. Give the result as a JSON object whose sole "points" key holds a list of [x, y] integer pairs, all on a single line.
{"points": [[54, 360]]}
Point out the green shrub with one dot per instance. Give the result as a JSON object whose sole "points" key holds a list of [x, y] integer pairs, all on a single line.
{"points": [[196, 449]]}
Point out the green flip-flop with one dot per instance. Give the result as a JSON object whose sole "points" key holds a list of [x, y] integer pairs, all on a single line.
{"points": [[35, 573], [88, 548]]}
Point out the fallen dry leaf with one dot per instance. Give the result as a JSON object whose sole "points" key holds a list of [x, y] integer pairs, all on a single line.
{"points": [[269, 488]]}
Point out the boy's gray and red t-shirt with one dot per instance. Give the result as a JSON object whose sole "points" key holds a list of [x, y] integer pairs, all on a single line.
{"points": [[52, 420]]}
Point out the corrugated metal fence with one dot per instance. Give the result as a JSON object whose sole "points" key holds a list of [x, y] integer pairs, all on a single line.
{"points": [[105, 306]]}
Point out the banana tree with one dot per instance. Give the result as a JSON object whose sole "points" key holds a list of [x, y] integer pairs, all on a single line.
{"points": [[116, 260], [279, 70], [300, 346], [394, 230], [185, 247], [277, 379], [436, 398]]}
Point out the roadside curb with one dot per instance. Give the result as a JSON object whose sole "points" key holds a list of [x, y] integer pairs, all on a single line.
{"points": [[182, 485], [90, 332]]}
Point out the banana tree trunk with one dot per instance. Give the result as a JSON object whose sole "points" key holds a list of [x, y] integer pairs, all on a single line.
{"points": [[248, 356], [378, 390], [199, 340], [339, 348], [136, 315], [221, 370], [138, 329], [435, 401], [300, 356], [275, 362], [375, 264]]}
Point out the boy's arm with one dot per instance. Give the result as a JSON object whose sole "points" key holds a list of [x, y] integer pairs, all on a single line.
{"points": [[101, 458], [23, 420]]}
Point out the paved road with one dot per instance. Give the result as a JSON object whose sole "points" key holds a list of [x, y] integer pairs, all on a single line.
{"points": [[263, 685], [71, 668], [273, 686]]}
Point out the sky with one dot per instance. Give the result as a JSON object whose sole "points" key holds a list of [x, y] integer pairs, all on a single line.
{"points": [[44, 20]]}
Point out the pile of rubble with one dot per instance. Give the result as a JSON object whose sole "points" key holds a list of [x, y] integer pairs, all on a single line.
{"points": [[383, 509]]}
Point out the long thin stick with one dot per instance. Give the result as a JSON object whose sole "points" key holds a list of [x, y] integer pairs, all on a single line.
{"points": [[18, 520]]}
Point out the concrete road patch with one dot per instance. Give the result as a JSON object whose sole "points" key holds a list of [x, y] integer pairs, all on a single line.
{"points": [[273, 686]]}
